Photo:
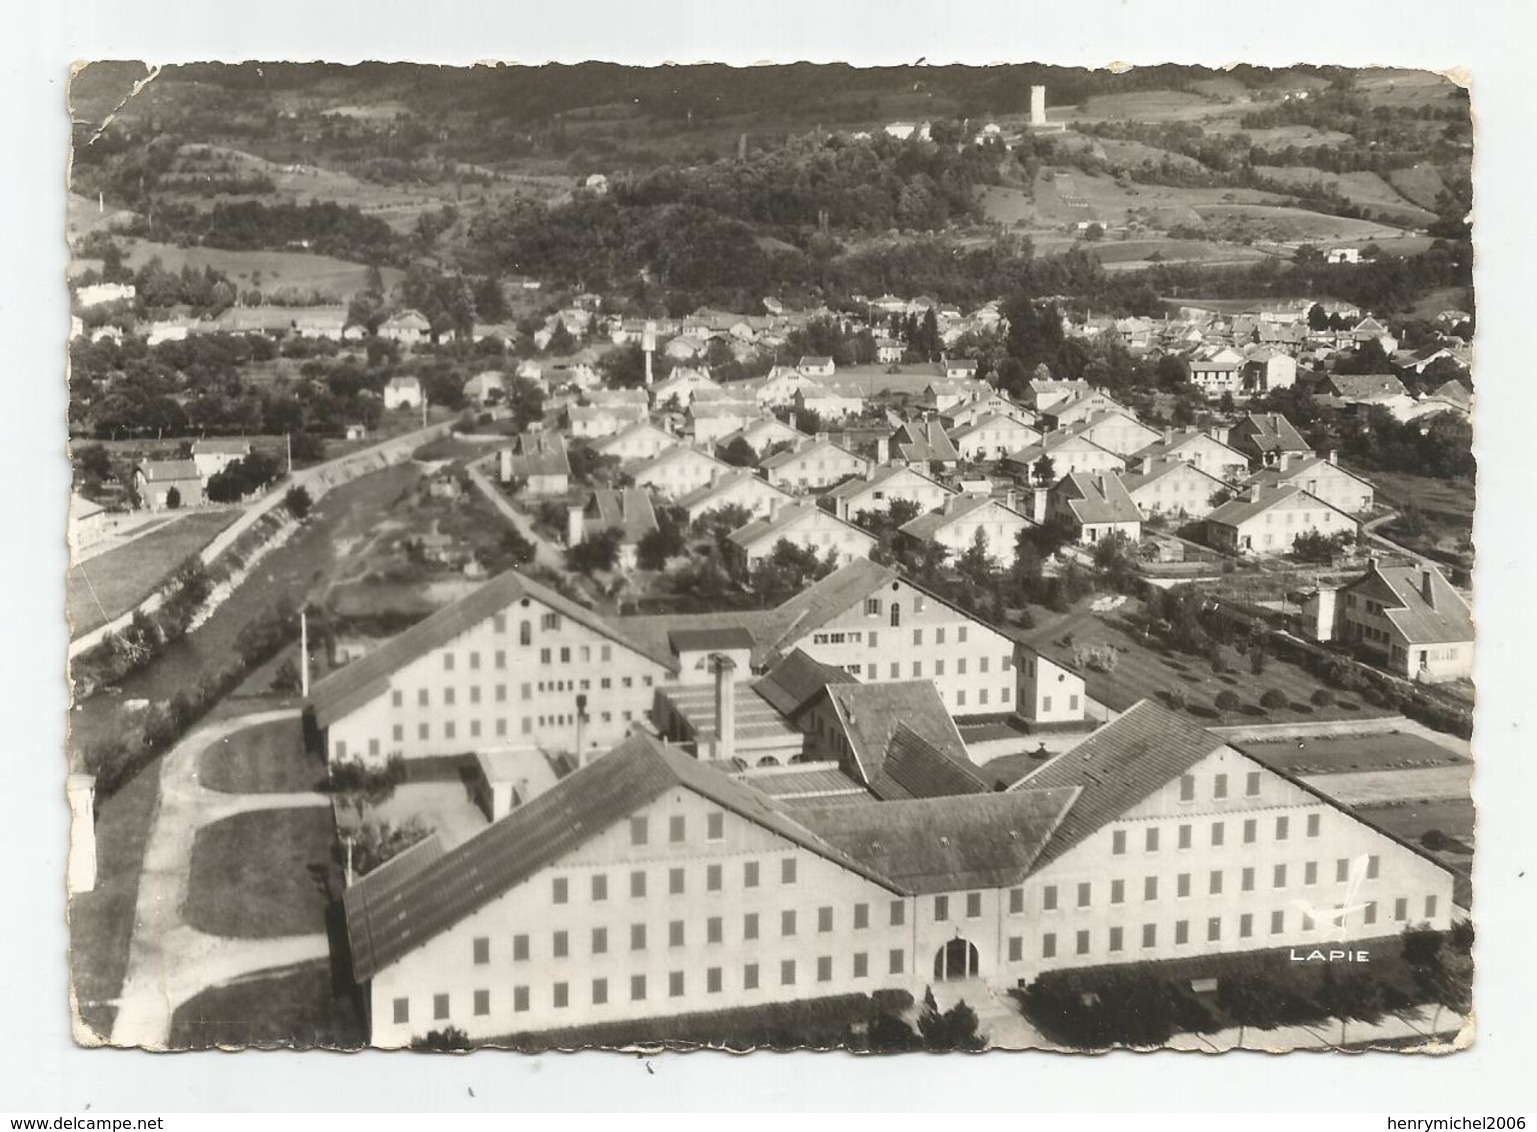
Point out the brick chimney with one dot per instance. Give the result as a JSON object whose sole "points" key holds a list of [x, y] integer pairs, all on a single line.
{"points": [[1334, 456], [883, 450], [774, 502], [575, 527], [1011, 499], [1428, 587], [725, 707], [1038, 504]]}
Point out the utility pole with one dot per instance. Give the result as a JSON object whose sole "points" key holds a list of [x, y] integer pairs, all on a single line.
{"points": [[424, 410], [288, 443], [304, 653]]}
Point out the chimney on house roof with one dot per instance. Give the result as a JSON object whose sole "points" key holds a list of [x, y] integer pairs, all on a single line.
{"points": [[1334, 456], [774, 502], [1011, 499], [821, 436], [1168, 436], [883, 450], [575, 526], [725, 707], [1427, 587]]}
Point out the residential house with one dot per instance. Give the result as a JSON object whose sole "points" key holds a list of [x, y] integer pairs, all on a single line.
{"points": [[1079, 409], [156, 480], [711, 421], [402, 393], [816, 367], [889, 351], [957, 525], [1323, 479], [586, 908], [1096, 506], [538, 460], [1269, 440], [736, 488], [485, 387], [882, 486], [829, 402], [1268, 520], [1266, 369], [1117, 431], [1449, 397], [816, 465], [1068, 453], [637, 442], [1410, 619], [990, 404], [805, 525], [1218, 375], [626, 510], [681, 385], [894, 738], [597, 422], [1173, 488], [674, 472], [992, 436], [762, 434], [212, 454], [924, 443], [944, 394], [1195, 447], [407, 327]]}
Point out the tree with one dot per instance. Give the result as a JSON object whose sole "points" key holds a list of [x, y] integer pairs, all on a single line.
{"points": [[976, 565], [560, 341], [516, 549], [955, 1029], [1251, 999], [286, 681], [450, 1039], [1227, 700], [1095, 231], [173, 498], [361, 785], [1350, 998], [657, 546], [1045, 471], [596, 552], [93, 463], [298, 501], [740, 454], [788, 570], [490, 300], [1273, 699], [525, 398]]}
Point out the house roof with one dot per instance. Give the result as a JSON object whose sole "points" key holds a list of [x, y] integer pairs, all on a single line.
{"points": [[756, 722], [366, 678], [406, 382], [1365, 386], [733, 479], [1155, 470], [626, 509], [392, 912], [160, 471], [1453, 392], [1300, 471], [1117, 767], [1175, 439], [637, 428], [221, 446], [946, 844], [666, 456], [812, 608], [797, 680], [782, 520], [1272, 432], [1051, 442], [956, 508], [725, 638], [790, 455], [540, 454], [871, 713], [861, 485], [1445, 619], [1238, 511], [813, 784], [924, 440], [1099, 499], [917, 768], [654, 632]]}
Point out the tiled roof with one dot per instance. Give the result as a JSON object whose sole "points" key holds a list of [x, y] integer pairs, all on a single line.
{"points": [[812, 608], [653, 633], [916, 768], [924, 441], [391, 912], [1155, 470], [348, 688], [925, 526], [625, 509], [946, 844], [1272, 432], [782, 520], [871, 714], [806, 782], [797, 680], [1118, 767], [1176, 439], [159, 471], [860, 485], [733, 479], [221, 445], [755, 718], [637, 469], [540, 454], [720, 638], [1100, 499], [1448, 621], [1236, 511], [1365, 386]]}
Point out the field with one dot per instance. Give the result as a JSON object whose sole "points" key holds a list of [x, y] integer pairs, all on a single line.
{"points": [[113, 583], [1446, 509], [1366, 189], [1420, 184], [265, 269], [1393, 750], [263, 873], [1287, 225], [1142, 671], [267, 759], [304, 1006]]}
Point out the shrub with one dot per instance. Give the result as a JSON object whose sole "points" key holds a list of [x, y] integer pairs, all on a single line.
{"points": [[1227, 700], [1272, 699], [1434, 840], [1322, 697]]}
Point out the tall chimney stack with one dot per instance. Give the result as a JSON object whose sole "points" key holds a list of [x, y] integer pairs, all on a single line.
{"points": [[1037, 105], [725, 708]]}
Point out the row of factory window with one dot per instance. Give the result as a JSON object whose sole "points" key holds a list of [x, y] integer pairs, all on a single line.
{"points": [[1184, 833], [1314, 920], [476, 730], [1345, 872], [450, 696], [752, 978]]}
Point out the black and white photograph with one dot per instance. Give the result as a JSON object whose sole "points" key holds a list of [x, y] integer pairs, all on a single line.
{"points": [[888, 559]]}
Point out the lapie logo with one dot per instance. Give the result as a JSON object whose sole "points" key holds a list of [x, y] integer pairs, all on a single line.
{"points": [[1338, 919]]}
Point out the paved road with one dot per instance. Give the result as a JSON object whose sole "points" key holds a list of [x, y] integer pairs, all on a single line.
{"points": [[168, 960], [545, 552]]}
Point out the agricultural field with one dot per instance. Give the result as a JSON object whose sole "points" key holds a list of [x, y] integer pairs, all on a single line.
{"points": [[112, 583], [1419, 184], [1146, 106], [1287, 225], [268, 270], [1445, 509], [1366, 189]]}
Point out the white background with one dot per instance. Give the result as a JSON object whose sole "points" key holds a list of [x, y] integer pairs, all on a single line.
{"points": [[40, 1070]]}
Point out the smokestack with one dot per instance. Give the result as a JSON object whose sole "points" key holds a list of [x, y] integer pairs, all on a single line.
{"points": [[1038, 504], [883, 450], [1037, 105], [1427, 587], [725, 708], [575, 527]]}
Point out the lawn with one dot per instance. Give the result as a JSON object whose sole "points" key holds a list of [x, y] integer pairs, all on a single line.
{"points": [[1393, 750], [1142, 670], [302, 270], [300, 1006], [264, 873], [101, 921], [1445, 506], [266, 759], [115, 582], [1453, 817]]}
